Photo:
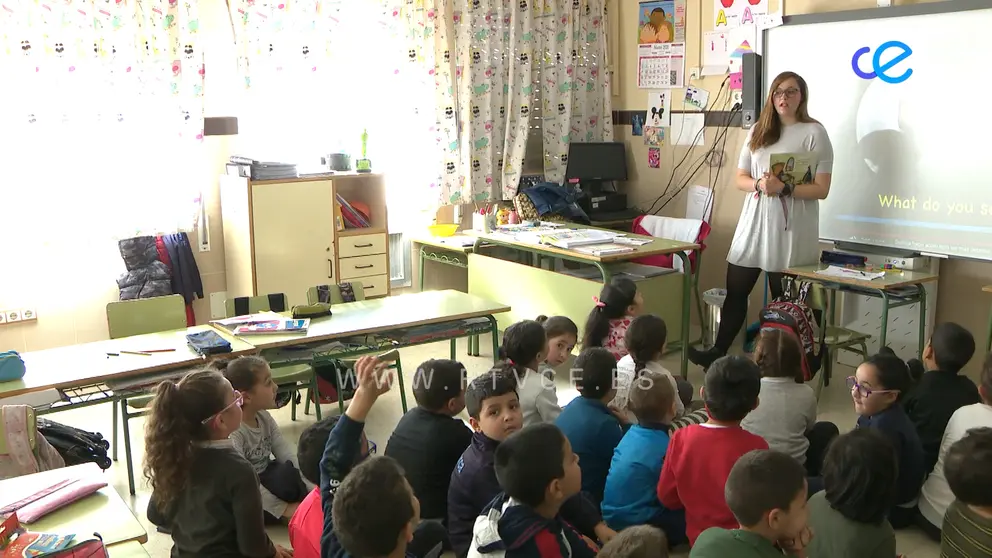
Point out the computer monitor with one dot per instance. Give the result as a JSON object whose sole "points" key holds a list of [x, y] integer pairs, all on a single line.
{"points": [[596, 162]]}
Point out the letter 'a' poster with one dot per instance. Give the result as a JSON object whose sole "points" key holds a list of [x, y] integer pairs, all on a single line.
{"points": [[734, 13]]}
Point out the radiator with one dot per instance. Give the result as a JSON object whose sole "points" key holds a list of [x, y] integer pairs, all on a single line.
{"points": [[400, 262]]}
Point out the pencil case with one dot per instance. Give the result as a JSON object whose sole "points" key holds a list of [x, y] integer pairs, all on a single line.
{"points": [[207, 343], [315, 310], [11, 366]]}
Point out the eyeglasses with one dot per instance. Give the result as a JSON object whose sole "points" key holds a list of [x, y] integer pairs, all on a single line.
{"points": [[239, 399], [787, 93], [852, 384]]}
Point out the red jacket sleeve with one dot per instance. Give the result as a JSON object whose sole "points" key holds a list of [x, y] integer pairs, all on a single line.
{"points": [[668, 493]]}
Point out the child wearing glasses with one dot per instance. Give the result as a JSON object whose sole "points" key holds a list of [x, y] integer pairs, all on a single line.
{"points": [[203, 490], [261, 442], [877, 388]]}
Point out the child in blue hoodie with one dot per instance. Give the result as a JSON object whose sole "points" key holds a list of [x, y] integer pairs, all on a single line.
{"points": [[629, 498], [538, 472]]}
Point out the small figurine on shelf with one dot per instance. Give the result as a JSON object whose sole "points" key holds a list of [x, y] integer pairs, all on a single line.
{"points": [[503, 216], [364, 164]]}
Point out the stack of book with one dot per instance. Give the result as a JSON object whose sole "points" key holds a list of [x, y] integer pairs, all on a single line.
{"points": [[261, 170], [352, 218]]}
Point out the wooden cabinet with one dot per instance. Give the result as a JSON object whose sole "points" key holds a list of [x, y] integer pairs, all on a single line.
{"points": [[284, 236]]}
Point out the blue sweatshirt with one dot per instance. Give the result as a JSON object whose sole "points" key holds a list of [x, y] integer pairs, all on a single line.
{"points": [[630, 497], [594, 433], [896, 426]]}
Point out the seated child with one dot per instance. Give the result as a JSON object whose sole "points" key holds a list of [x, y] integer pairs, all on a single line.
{"points": [[877, 389], [641, 541], [523, 351], [590, 425], [308, 521], [766, 490], [848, 516], [494, 411], [936, 495], [429, 439], [630, 498], [645, 340], [562, 335], [701, 456], [967, 529], [538, 472], [261, 442], [618, 303], [203, 490], [369, 507], [942, 390], [786, 413]]}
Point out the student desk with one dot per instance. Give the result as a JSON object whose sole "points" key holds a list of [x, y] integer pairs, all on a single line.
{"points": [[103, 512], [895, 288], [514, 278], [81, 372], [128, 550], [988, 336]]}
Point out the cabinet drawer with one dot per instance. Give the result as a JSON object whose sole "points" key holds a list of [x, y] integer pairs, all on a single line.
{"points": [[362, 245], [374, 286], [362, 266]]}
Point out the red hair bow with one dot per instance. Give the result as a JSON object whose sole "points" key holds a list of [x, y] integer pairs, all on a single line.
{"points": [[599, 303]]}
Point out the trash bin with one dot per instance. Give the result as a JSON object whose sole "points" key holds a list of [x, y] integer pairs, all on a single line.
{"points": [[713, 299]]}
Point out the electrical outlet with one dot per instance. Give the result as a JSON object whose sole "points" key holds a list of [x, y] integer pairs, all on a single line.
{"points": [[13, 316], [28, 314], [736, 97], [694, 73]]}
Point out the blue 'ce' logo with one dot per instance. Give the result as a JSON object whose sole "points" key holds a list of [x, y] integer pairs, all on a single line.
{"points": [[878, 68]]}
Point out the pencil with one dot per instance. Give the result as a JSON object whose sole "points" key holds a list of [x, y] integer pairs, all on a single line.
{"points": [[142, 353], [159, 351]]}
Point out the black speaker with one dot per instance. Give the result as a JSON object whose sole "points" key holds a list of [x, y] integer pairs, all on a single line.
{"points": [[751, 95]]}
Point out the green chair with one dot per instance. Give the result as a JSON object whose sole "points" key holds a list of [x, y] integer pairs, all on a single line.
{"points": [[291, 377], [835, 338], [393, 358], [138, 317]]}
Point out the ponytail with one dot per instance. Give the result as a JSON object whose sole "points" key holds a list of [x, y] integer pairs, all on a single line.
{"points": [[612, 304], [174, 426], [779, 355], [523, 342], [645, 339]]}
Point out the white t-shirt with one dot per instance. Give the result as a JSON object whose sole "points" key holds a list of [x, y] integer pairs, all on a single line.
{"points": [[625, 379], [769, 236], [936, 496], [538, 398]]}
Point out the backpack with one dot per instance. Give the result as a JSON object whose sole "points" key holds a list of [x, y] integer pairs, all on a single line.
{"points": [[15, 540], [74, 445], [791, 313]]}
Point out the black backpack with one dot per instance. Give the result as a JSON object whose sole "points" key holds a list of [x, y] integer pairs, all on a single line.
{"points": [[74, 445]]}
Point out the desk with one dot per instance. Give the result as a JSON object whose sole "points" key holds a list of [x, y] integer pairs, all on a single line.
{"points": [[103, 512], [655, 247], [988, 336], [80, 372], [896, 289], [128, 550]]}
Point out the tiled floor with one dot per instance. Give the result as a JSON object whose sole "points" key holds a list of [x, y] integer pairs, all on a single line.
{"points": [[835, 405]]}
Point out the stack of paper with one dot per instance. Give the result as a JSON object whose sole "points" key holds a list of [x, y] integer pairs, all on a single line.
{"points": [[604, 249], [572, 239], [849, 273]]}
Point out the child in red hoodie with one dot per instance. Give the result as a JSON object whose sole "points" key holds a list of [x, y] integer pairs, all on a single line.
{"points": [[701, 456]]}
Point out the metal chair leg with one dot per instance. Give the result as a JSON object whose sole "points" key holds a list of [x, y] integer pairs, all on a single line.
{"points": [[399, 379], [314, 393], [306, 404], [454, 350], [127, 447], [292, 402], [113, 433]]}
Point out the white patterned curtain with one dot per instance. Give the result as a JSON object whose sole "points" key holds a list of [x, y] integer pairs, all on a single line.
{"points": [[318, 73], [102, 119]]}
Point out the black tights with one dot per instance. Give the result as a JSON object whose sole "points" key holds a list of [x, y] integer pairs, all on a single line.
{"points": [[740, 283]]}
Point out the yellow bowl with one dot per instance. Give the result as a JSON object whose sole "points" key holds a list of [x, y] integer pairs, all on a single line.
{"points": [[442, 230]]}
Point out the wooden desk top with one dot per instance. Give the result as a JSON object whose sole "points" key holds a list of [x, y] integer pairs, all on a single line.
{"points": [[891, 280], [88, 363], [656, 246], [438, 242], [386, 314], [104, 512]]}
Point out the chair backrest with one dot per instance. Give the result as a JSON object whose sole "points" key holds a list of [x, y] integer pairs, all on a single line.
{"points": [[275, 302], [313, 293], [146, 315]]}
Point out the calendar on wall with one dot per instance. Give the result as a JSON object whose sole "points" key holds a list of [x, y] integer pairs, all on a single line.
{"points": [[661, 66]]}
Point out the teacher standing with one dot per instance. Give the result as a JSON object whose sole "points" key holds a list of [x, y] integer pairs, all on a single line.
{"points": [[779, 225]]}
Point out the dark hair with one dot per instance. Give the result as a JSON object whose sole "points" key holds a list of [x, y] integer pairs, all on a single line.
{"points": [[174, 428], [645, 338], [523, 342], [768, 130], [436, 382], [953, 346], [493, 383], [556, 326], [640, 541], [373, 505], [528, 460], [986, 379], [242, 372], [859, 475], [614, 300], [967, 467], [892, 372], [762, 481], [597, 372], [310, 449], [779, 354], [731, 388], [651, 397]]}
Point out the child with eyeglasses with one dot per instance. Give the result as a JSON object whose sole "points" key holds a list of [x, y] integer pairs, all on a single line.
{"points": [[203, 491], [877, 388]]}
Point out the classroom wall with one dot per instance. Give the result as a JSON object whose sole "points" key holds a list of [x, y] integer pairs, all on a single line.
{"points": [[960, 298], [71, 299]]}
